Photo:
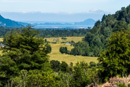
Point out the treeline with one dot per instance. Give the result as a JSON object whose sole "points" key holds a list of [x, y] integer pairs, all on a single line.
{"points": [[51, 32], [25, 62], [95, 40], [3, 31], [62, 32]]}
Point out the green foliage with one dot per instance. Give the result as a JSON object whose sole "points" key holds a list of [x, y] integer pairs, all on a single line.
{"points": [[80, 48], [23, 51], [4, 30], [64, 79], [80, 77], [55, 65], [62, 32], [63, 50], [64, 38], [92, 64], [115, 60], [121, 85], [33, 78], [129, 85], [64, 66], [50, 32], [97, 36]]}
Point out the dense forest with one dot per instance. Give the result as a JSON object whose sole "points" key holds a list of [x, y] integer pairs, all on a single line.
{"points": [[51, 32], [95, 40], [3, 31], [25, 62], [62, 32]]}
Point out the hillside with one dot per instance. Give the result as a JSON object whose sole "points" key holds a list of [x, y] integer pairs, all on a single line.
{"points": [[86, 22], [9, 23], [96, 38]]}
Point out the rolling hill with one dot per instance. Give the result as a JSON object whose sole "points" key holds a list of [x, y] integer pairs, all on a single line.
{"points": [[10, 23]]}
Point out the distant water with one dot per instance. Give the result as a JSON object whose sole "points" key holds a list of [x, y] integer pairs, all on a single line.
{"points": [[61, 26]]}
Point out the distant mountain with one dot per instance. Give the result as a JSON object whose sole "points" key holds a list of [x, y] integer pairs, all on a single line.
{"points": [[86, 22], [73, 25], [38, 17], [10, 23]]}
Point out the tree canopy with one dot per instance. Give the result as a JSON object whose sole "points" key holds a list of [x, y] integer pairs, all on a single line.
{"points": [[23, 51], [96, 37], [115, 60]]}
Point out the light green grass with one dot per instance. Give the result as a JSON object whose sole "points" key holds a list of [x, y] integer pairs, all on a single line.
{"points": [[56, 55], [59, 40]]}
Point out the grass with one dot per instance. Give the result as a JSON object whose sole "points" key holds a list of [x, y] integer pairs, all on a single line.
{"points": [[1, 39], [59, 40], [56, 55], [0, 52]]}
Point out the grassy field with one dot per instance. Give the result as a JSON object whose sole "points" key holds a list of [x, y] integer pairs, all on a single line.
{"points": [[56, 55], [59, 40], [1, 39]]}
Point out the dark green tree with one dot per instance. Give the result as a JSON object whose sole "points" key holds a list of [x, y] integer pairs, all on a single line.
{"points": [[115, 60], [23, 50], [63, 50], [64, 66], [55, 65], [80, 77]]}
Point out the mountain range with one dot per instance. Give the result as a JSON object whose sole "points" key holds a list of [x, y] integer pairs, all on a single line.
{"points": [[38, 17], [10, 23]]}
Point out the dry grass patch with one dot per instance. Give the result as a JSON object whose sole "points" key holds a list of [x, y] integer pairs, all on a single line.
{"points": [[56, 55], [1, 39], [59, 39]]}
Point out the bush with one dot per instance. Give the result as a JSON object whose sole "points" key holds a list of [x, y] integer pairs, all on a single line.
{"points": [[64, 66], [92, 64], [55, 65], [63, 50]]}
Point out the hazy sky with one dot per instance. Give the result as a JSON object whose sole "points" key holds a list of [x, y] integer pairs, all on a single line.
{"points": [[62, 6]]}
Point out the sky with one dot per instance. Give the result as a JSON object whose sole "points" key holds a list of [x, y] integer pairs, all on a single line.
{"points": [[62, 6], [59, 10]]}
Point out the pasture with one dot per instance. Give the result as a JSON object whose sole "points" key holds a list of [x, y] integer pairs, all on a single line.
{"points": [[56, 55], [57, 42]]}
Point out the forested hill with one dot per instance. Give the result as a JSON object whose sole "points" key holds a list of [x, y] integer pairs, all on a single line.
{"points": [[9, 23], [96, 38], [62, 32]]}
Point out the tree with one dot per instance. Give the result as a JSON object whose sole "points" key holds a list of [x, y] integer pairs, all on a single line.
{"points": [[80, 77], [80, 48], [23, 50], [116, 59], [64, 66], [92, 64], [63, 50], [33, 78], [55, 65]]}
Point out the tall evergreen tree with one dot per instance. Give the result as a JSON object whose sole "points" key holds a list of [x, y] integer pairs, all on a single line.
{"points": [[116, 59], [23, 50]]}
